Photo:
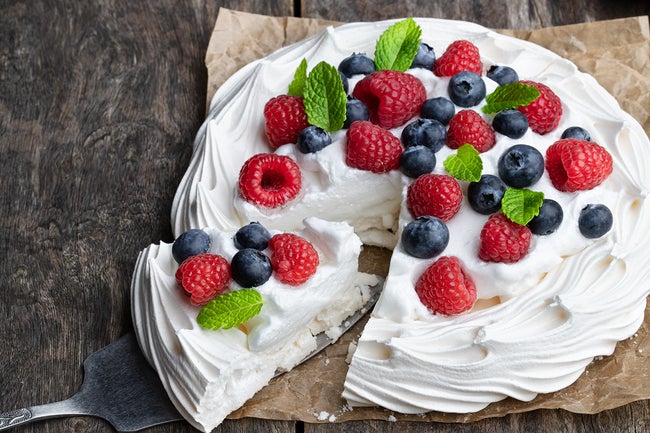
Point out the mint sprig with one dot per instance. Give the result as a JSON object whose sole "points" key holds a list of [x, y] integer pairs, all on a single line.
{"points": [[325, 98], [297, 86], [465, 164], [230, 309], [521, 205], [398, 45], [510, 96]]}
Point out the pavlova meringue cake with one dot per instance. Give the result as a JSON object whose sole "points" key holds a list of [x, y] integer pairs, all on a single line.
{"points": [[510, 301]]}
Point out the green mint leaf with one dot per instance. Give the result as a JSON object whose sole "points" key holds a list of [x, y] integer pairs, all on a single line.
{"points": [[521, 205], [510, 96], [230, 309], [465, 164], [398, 45], [297, 86], [325, 98]]}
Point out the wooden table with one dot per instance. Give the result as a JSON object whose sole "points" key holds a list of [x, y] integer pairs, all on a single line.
{"points": [[99, 104]]}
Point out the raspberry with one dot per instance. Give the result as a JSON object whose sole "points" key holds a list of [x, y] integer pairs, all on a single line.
{"points": [[203, 277], [503, 241], [372, 148], [293, 258], [392, 97], [269, 180], [285, 117], [445, 287], [577, 165], [467, 126], [543, 113], [437, 195], [459, 56]]}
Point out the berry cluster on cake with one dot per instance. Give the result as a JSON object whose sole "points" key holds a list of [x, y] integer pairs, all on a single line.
{"points": [[510, 187]]}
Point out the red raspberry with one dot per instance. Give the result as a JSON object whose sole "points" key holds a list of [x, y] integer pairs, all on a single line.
{"points": [[459, 56], [372, 148], [293, 258], [269, 180], [445, 287], [467, 126], [392, 97], [285, 117], [577, 165], [437, 195], [543, 113], [203, 277], [503, 240]]}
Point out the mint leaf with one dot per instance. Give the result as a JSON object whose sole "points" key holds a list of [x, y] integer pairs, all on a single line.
{"points": [[510, 96], [465, 164], [297, 86], [325, 98], [398, 45], [230, 309], [521, 205]]}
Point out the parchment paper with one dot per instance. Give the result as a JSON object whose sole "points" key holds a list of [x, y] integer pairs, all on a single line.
{"points": [[617, 54]]}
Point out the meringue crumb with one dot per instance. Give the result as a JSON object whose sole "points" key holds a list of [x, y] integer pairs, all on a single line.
{"points": [[325, 416], [392, 418], [352, 347]]}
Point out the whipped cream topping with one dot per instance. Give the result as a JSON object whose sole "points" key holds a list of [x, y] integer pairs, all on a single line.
{"points": [[537, 323], [209, 373]]}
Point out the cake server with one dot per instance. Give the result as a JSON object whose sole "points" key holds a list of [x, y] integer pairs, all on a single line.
{"points": [[121, 387]]}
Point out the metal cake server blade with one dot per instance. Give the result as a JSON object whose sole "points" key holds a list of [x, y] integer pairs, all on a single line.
{"points": [[122, 388]]}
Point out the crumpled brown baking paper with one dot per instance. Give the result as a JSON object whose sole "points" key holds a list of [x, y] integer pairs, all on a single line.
{"points": [[617, 54]]}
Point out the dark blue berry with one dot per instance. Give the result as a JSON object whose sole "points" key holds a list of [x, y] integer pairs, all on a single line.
{"points": [[511, 123], [521, 166], [485, 195], [502, 74], [466, 89], [253, 235], [425, 237], [355, 110], [345, 81], [312, 139], [595, 220], [425, 57], [576, 132], [549, 218], [424, 132], [416, 161], [440, 109], [356, 64], [250, 268], [190, 243]]}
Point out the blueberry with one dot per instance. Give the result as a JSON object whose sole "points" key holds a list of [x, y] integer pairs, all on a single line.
{"points": [[485, 195], [425, 57], [595, 220], [253, 235], [511, 123], [250, 268], [466, 89], [576, 132], [521, 166], [440, 109], [190, 243], [356, 64], [312, 139], [549, 218], [424, 132], [502, 74], [355, 110], [416, 161], [345, 81], [425, 237]]}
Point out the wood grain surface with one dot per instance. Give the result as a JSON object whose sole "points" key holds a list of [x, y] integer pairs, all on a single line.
{"points": [[99, 104]]}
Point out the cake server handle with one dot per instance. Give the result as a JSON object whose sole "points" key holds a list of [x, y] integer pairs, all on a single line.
{"points": [[26, 415]]}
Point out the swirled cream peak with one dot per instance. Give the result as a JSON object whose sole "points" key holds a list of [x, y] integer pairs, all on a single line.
{"points": [[537, 323], [208, 374]]}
